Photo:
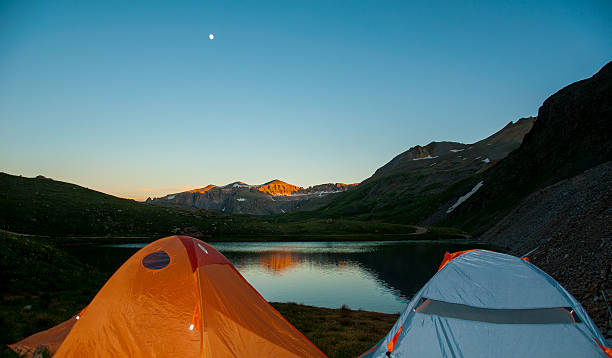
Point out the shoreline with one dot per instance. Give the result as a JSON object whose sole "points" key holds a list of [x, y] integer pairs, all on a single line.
{"points": [[420, 234]]}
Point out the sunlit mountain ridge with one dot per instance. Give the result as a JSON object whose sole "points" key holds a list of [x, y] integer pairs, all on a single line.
{"points": [[273, 197]]}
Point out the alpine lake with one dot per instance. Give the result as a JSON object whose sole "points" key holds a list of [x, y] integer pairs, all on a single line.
{"points": [[378, 276]]}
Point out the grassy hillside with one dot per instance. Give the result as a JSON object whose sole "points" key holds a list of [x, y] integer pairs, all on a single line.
{"points": [[47, 207], [399, 205], [41, 286]]}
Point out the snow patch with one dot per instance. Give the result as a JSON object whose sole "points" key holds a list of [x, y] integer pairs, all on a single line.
{"points": [[237, 185], [464, 198], [319, 193], [427, 157], [170, 197], [241, 199], [486, 160], [241, 186], [456, 150]]}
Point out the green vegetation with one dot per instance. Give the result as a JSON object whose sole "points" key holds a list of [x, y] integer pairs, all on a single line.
{"points": [[338, 332], [45, 207], [43, 286], [397, 205]]}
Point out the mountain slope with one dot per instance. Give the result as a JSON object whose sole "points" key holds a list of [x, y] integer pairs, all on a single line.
{"points": [[414, 185], [572, 133], [554, 209], [45, 206], [202, 190]]}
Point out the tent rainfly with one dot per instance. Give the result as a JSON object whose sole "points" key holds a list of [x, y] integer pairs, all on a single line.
{"points": [[486, 304], [176, 297]]}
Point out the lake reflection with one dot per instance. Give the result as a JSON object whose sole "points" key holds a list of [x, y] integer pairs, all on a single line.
{"points": [[374, 276]]}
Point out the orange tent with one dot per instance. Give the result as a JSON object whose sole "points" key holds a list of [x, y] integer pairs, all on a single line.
{"points": [[176, 297]]}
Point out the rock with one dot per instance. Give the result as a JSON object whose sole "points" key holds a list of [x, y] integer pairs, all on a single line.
{"points": [[41, 352]]}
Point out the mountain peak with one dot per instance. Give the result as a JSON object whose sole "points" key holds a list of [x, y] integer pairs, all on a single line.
{"points": [[278, 187], [236, 184], [431, 150], [276, 181]]}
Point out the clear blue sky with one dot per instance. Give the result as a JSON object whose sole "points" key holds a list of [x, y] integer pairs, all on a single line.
{"points": [[133, 99]]}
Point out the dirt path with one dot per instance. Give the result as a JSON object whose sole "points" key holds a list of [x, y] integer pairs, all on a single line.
{"points": [[420, 230]]}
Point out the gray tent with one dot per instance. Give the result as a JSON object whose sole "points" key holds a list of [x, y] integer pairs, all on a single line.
{"points": [[487, 304]]}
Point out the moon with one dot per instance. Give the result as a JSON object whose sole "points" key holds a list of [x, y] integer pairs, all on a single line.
{"points": [[211, 36]]}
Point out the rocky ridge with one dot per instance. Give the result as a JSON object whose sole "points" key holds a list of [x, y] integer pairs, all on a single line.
{"points": [[273, 197]]}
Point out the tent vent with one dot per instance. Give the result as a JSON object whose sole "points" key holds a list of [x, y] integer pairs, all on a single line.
{"points": [[504, 316], [156, 261]]}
